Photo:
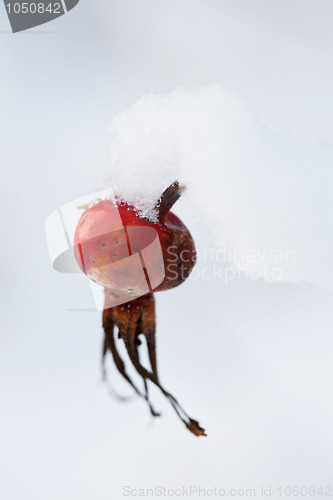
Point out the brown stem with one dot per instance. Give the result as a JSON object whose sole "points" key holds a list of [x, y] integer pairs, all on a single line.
{"points": [[168, 199], [132, 319], [191, 424], [108, 325]]}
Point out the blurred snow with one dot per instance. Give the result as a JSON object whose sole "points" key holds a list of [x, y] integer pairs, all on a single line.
{"points": [[259, 191]]}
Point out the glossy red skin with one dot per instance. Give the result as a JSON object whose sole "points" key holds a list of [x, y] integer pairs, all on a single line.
{"points": [[102, 246]]}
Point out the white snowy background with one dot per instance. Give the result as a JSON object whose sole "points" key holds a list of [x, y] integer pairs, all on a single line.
{"points": [[251, 359]]}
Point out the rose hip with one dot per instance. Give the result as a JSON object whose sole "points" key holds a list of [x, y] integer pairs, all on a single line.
{"points": [[132, 257]]}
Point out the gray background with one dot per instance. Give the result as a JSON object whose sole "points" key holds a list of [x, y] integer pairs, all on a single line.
{"points": [[251, 361]]}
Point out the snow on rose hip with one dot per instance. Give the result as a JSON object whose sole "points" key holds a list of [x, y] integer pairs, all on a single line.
{"points": [[132, 257]]}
